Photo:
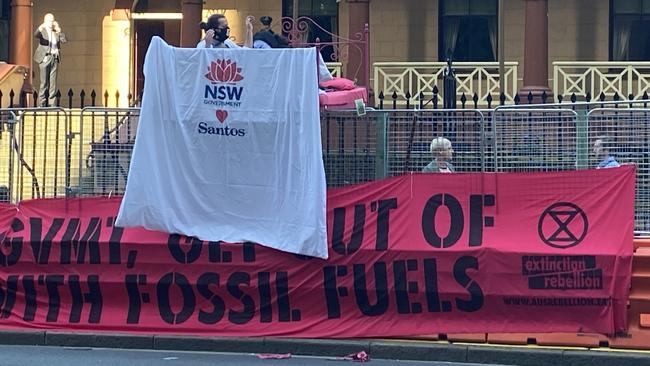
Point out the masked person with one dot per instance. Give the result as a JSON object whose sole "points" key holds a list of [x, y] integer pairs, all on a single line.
{"points": [[266, 23], [217, 33]]}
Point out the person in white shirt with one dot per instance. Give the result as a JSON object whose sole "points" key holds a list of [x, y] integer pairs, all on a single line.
{"points": [[217, 33], [48, 56]]}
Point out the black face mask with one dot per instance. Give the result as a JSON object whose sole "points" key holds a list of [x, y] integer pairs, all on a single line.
{"points": [[221, 35]]}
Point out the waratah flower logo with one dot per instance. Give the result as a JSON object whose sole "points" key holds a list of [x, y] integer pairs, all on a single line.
{"points": [[224, 71]]}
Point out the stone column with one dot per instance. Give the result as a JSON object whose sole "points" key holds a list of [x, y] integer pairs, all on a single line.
{"points": [[192, 14], [536, 52], [22, 34], [359, 16]]}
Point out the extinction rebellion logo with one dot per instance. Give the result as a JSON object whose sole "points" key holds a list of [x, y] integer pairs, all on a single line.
{"points": [[562, 225], [222, 91]]}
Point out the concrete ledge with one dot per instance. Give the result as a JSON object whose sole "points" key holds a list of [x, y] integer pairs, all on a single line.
{"points": [[590, 358], [316, 347], [419, 351], [22, 338], [515, 356], [210, 344], [378, 349]]}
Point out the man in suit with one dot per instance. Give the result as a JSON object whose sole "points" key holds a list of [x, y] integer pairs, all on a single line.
{"points": [[48, 56]]}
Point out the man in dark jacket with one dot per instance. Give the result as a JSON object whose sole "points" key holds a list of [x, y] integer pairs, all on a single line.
{"points": [[48, 56]]}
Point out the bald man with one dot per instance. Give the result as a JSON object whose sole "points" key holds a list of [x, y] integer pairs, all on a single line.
{"points": [[48, 56]]}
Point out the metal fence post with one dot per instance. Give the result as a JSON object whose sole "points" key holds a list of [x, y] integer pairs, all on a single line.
{"points": [[582, 139], [381, 159], [483, 141], [11, 128], [493, 138], [69, 141]]}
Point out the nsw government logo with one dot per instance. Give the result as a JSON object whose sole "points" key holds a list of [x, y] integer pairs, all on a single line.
{"points": [[223, 91], [221, 129]]}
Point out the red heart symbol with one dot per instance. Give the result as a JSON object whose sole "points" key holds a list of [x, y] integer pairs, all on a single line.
{"points": [[222, 115]]}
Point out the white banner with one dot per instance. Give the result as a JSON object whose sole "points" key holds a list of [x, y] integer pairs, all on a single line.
{"points": [[229, 149]]}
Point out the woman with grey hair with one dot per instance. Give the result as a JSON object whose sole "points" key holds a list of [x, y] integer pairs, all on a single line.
{"points": [[442, 152], [602, 150]]}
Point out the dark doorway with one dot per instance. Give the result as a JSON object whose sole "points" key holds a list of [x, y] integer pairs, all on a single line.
{"points": [[5, 26]]}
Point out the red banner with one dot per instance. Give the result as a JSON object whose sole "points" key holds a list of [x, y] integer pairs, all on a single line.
{"points": [[411, 255]]}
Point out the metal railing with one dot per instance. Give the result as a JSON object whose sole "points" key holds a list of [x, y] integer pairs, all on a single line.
{"points": [[534, 139], [36, 160], [410, 134], [589, 79], [412, 84], [7, 143], [410, 80], [352, 147], [335, 68], [104, 143], [627, 132]]}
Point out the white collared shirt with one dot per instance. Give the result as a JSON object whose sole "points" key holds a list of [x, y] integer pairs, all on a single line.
{"points": [[54, 46]]}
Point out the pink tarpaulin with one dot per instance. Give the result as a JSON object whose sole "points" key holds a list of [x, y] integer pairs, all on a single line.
{"points": [[410, 255]]}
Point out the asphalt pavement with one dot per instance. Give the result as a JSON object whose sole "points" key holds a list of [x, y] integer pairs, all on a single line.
{"points": [[69, 356]]}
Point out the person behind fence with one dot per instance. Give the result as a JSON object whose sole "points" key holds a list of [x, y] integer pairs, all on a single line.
{"points": [[442, 152], [266, 23], [602, 150], [217, 33], [48, 57], [267, 38]]}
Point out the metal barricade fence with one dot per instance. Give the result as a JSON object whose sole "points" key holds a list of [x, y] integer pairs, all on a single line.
{"points": [[410, 133], [534, 139], [625, 135], [352, 147], [488, 140], [52, 152], [568, 141], [35, 152], [102, 146], [384, 143], [8, 122]]}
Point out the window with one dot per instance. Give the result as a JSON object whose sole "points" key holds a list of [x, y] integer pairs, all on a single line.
{"points": [[325, 13], [629, 31], [468, 30], [5, 22]]}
